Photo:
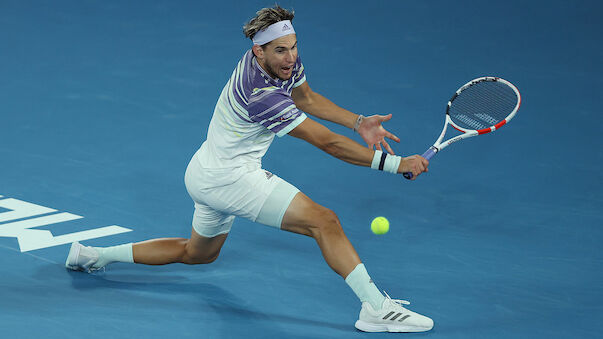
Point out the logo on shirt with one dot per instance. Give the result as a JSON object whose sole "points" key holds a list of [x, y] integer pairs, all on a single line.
{"points": [[268, 174], [289, 117]]}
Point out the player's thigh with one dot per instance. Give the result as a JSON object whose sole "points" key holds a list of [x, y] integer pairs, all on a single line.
{"points": [[210, 229], [304, 216], [259, 196]]}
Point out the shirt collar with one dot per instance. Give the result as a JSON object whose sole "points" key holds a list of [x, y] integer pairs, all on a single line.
{"points": [[274, 81]]}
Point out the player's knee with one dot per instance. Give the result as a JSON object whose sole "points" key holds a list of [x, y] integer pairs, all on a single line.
{"points": [[325, 220], [202, 259], [208, 259], [197, 257]]}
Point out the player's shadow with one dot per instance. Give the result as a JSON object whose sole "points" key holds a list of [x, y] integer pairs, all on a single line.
{"points": [[198, 297]]}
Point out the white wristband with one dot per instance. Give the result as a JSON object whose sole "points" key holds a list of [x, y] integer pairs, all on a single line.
{"points": [[386, 162], [392, 162], [376, 160]]}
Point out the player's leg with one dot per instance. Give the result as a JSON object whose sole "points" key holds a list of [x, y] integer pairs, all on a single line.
{"points": [[285, 207], [289, 209], [209, 232], [378, 313], [196, 250], [210, 229], [306, 217]]}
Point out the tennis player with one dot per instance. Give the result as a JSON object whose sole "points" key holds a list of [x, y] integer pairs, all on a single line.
{"points": [[267, 95]]}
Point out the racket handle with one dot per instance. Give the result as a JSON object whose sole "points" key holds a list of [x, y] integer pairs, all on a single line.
{"points": [[427, 155]]}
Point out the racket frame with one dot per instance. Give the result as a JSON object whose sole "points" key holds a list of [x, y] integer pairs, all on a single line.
{"points": [[468, 133]]}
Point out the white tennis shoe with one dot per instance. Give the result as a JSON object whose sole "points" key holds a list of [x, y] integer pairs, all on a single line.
{"points": [[81, 258], [392, 317]]}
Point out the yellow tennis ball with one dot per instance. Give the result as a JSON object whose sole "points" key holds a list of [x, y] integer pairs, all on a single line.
{"points": [[380, 225]]}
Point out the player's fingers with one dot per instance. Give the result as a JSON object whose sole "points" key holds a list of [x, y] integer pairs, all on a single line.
{"points": [[386, 117], [420, 167], [387, 147], [378, 146], [393, 137], [415, 175]]}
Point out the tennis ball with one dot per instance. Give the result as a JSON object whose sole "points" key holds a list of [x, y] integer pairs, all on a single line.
{"points": [[380, 225]]}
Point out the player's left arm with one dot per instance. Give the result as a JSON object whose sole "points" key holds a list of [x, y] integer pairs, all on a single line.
{"points": [[370, 128], [352, 152]]}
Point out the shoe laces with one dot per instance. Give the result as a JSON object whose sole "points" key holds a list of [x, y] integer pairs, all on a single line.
{"points": [[398, 302]]}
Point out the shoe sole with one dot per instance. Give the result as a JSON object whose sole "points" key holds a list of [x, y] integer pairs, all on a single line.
{"points": [[74, 253], [368, 327]]}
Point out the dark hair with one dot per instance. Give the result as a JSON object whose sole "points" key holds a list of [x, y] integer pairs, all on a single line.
{"points": [[266, 17]]}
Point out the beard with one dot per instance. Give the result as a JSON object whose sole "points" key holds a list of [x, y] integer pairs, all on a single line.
{"points": [[271, 71]]}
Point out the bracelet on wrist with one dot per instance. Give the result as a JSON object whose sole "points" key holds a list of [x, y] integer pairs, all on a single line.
{"points": [[358, 122]]}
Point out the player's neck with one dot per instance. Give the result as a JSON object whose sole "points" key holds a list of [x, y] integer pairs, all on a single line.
{"points": [[262, 65]]}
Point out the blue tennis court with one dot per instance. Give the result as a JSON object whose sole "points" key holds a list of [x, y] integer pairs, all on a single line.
{"points": [[104, 103]]}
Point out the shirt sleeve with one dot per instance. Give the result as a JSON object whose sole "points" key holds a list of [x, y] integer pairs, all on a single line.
{"points": [[274, 109]]}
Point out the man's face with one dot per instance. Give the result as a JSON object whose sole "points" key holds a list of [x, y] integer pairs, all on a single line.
{"points": [[279, 56]]}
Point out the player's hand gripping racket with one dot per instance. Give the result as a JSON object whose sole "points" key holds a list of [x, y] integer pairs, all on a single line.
{"points": [[480, 106]]}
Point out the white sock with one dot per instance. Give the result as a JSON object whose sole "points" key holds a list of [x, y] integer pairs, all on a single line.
{"points": [[363, 286], [119, 253]]}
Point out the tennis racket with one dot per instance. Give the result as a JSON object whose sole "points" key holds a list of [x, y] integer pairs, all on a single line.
{"points": [[480, 106]]}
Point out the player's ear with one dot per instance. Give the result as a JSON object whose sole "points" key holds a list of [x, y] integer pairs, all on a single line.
{"points": [[258, 51]]}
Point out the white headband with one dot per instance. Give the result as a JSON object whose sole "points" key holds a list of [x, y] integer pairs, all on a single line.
{"points": [[273, 32]]}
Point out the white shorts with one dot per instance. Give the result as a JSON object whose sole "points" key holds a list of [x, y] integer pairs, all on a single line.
{"points": [[256, 195]]}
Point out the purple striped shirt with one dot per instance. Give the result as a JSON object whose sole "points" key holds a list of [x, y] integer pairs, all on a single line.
{"points": [[251, 110]]}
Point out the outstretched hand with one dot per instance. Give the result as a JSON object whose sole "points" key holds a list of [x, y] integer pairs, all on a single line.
{"points": [[374, 134]]}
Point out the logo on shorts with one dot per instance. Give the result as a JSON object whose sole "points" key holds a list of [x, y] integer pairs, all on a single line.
{"points": [[268, 174]]}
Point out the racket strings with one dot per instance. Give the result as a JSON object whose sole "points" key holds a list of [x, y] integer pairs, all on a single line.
{"points": [[483, 105]]}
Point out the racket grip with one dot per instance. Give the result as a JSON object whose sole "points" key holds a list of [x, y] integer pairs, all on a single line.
{"points": [[427, 155]]}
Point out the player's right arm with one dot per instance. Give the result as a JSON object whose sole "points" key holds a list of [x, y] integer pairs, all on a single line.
{"points": [[369, 128], [348, 150]]}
